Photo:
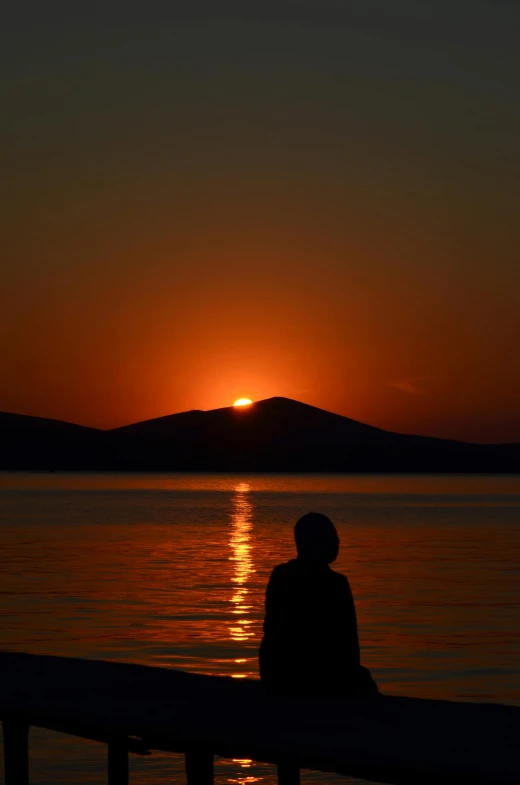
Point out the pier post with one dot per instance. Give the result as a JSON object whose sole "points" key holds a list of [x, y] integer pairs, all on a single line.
{"points": [[117, 762], [288, 775], [199, 767], [16, 752]]}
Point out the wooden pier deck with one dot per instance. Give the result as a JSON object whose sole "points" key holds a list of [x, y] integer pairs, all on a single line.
{"points": [[136, 709]]}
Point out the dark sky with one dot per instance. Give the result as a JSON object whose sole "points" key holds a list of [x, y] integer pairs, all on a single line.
{"points": [[313, 199]]}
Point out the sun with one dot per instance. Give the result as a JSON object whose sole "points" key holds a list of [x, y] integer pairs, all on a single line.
{"points": [[243, 402]]}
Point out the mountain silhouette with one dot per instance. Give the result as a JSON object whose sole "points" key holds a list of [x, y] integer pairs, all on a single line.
{"points": [[284, 419], [279, 434], [276, 434], [41, 443]]}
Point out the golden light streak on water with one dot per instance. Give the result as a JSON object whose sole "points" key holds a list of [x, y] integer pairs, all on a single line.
{"points": [[240, 544]]}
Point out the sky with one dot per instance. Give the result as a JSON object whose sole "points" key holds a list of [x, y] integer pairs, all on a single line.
{"points": [[309, 198]]}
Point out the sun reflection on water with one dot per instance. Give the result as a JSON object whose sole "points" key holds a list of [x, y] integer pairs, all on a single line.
{"points": [[241, 630], [240, 543]]}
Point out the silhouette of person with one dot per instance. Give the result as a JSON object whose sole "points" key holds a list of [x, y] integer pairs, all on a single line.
{"points": [[310, 644]]}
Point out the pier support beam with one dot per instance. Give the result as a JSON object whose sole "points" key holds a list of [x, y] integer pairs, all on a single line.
{"points": [[118, 762], [16, 752], [288, 775], [199, 767]]}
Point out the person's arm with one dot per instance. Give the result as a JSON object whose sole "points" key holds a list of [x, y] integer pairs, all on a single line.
{"points": [[272, 602], [267, 662], [351, 630]]}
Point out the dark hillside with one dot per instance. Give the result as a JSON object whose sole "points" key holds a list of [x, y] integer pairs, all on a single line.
{"points": [[279, 434], [275, 435], [40, 443]]}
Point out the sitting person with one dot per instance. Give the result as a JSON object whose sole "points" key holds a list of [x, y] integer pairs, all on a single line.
{"points": [[310, 644]]}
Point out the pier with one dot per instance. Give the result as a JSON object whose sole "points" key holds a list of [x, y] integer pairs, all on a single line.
{"points": [[135, 709]]}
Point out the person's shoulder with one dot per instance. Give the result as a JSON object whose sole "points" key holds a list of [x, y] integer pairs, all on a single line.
{"points": [[283, 571], [339, 579], [285, 568]]}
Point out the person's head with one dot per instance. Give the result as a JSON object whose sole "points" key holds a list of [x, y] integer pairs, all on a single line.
{"points": [[316, 538]]}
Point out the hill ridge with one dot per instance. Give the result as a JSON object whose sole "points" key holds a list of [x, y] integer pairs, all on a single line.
{"points": [[274, 434], [14, 418]]}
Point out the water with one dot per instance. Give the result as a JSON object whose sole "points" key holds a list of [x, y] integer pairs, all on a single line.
{"points": [[170, 570]]}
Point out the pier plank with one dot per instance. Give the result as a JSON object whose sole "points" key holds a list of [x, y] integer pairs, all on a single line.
{"points": [[288, 775], [16, 752], [117, 762], [396, 740], [199, 766]]}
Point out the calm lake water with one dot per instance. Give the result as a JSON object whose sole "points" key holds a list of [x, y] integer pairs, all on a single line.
{"points": [[171, 570]]}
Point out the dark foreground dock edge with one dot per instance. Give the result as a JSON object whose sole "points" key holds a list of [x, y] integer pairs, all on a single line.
{"points": [[137, 709]]}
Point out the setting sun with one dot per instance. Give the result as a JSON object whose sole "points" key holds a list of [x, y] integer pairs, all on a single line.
{"points": [[243, 402]]}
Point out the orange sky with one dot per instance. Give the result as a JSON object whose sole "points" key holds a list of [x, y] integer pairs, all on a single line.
{"points": [[190, 221]]}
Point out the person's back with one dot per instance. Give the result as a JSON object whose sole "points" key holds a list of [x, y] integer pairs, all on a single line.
{"points": [[310, 644]]}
